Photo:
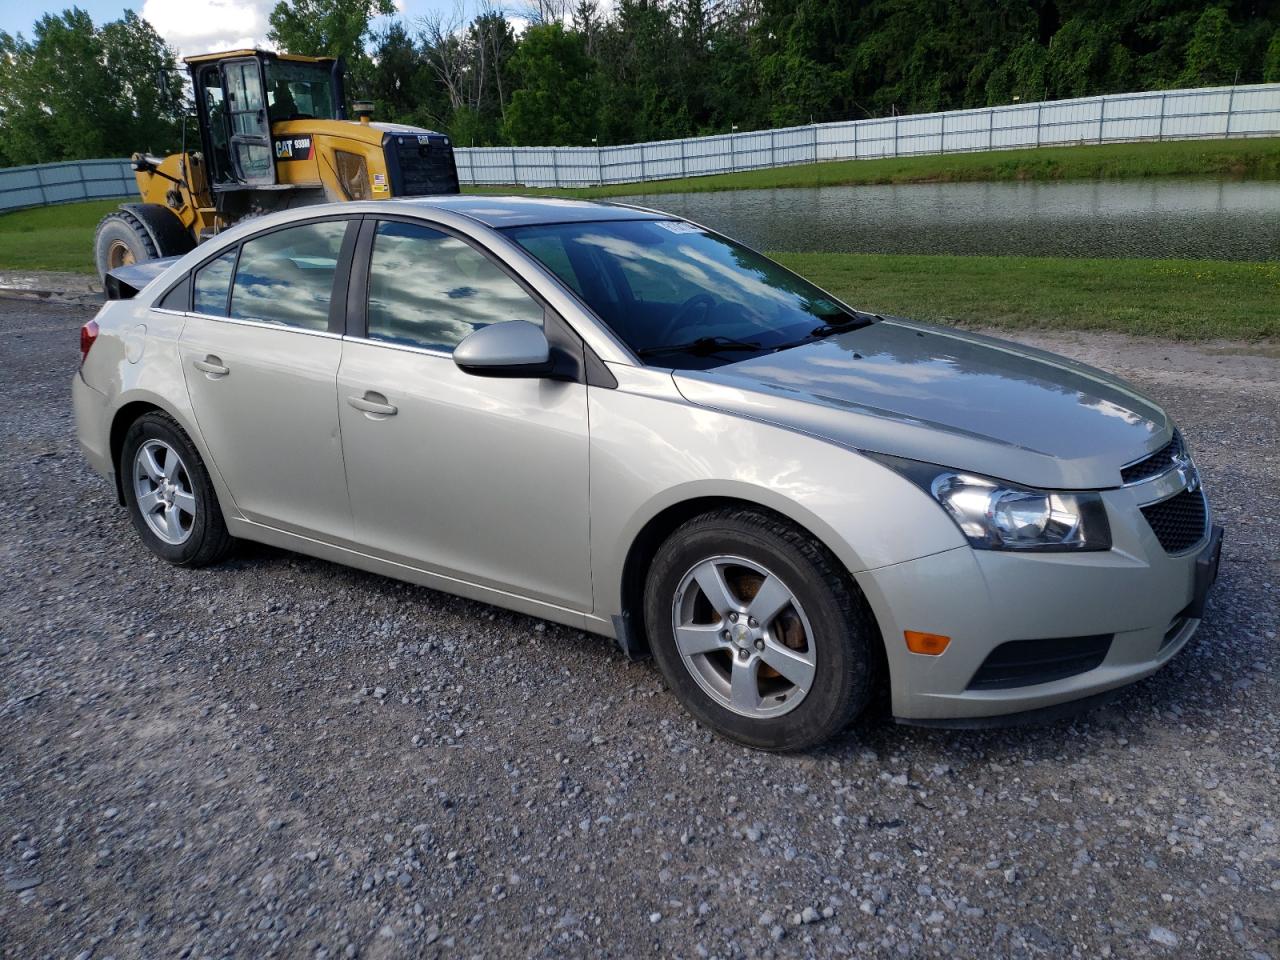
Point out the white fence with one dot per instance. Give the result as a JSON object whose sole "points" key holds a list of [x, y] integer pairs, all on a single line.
{"points": [[1243, 111], [1212, 112], [47, 183]]}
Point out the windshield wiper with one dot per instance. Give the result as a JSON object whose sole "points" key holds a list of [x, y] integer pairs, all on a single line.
{"points": [[843, 324], [840, 323], [700, 347]]}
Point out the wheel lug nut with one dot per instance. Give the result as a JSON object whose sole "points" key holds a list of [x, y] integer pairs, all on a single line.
{"points": [[759, 644], [742, 654], [751, 622], [733, 618], [725, 634]]}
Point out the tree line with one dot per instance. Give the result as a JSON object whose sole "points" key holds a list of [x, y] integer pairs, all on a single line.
{"points": [[575, 73]]}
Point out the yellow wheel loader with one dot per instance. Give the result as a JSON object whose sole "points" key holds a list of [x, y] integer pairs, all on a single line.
{"points": [[273, 134]]}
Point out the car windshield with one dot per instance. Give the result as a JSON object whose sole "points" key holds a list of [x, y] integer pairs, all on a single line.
{"points": [[680, 296]]}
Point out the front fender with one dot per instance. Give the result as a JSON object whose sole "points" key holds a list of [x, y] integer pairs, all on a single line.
{"points": [[651, 450]]}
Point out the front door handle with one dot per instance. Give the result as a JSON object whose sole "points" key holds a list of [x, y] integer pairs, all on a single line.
{"points": [[212, 366], [373, 404]]}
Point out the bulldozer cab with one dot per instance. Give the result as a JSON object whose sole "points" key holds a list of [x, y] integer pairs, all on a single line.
{"points": [[238, 98], [274, 134]]}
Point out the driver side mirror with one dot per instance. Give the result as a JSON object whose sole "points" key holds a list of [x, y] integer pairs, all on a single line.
{"points": [[514, 348]]}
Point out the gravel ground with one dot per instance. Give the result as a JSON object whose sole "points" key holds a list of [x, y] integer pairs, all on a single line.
{"points": [[283, 757]]}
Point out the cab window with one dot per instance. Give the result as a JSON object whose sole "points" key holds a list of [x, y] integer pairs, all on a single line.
{"points": [[428, 289], [286, 276], [299, 91]]}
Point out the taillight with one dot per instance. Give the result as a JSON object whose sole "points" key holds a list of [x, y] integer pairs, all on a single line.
{"points": [[88, 334]]}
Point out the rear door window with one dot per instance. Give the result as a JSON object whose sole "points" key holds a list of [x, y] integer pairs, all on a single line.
{"points": [[213, 280], [428, 289], [286, 276]]}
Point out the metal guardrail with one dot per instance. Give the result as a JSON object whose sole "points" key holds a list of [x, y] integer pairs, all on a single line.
{"points": [[1205, 113]]}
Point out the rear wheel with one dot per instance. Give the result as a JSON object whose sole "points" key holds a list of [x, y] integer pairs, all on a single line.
{"points": [[759, 631], [169, 495]]}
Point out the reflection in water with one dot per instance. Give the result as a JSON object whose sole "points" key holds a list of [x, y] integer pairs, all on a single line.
{"points": [[1227, 220]]}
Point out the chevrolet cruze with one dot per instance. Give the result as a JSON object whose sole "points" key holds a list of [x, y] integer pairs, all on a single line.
{"points": [[621, 421]]}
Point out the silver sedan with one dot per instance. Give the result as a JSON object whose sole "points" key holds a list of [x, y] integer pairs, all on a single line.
{"points": [[621, 421]]}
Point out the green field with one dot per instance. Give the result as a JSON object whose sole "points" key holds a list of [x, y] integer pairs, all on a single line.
{"points": [[1259, 159], [52, 238], [1182, 299]]}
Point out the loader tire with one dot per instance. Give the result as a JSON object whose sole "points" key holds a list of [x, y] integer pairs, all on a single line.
{"points": [[136, 233]]}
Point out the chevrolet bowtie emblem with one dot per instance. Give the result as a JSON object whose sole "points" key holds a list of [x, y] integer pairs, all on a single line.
{"points": [[1187, 473]]}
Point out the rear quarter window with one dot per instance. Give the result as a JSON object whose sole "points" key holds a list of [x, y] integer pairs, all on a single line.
{"points": [[179, 296], [212, 281]]}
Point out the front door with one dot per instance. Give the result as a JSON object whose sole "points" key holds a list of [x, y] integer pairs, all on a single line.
{"points": [[478, 478], [251, 155], [261, 364]]}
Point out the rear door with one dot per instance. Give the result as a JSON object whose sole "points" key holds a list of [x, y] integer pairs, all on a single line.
{"points": [[260, 355], [483, 479], [246, 103]]}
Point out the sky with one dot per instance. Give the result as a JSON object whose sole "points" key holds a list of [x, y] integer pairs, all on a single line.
{"points": [[190, 26]]}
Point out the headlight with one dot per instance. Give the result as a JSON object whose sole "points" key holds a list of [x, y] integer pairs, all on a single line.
{"points": [[995, 515]]}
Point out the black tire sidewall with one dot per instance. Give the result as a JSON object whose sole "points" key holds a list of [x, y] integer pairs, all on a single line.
{"points": [[844, 661], [116, 227], [208, 525]]}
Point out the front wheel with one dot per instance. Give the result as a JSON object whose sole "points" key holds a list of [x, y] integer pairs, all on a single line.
{"points": [[759, 630]]}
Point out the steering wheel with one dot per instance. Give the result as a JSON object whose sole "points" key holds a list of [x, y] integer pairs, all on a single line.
{"points": [[683, 312]]}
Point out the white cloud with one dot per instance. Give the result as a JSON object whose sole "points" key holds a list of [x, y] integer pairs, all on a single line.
{"points": [[208, 26]]}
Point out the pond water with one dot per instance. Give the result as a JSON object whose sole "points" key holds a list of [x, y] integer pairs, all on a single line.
{"points": [[1225, 220]]}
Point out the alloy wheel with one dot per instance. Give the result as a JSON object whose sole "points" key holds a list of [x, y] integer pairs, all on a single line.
{"points": [[162, 488], [744, 637]]}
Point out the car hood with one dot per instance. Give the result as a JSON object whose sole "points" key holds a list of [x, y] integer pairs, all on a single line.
{"points": [[957, 399]]}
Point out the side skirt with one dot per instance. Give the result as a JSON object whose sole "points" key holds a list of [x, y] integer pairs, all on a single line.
{"points": [[261, 533]]}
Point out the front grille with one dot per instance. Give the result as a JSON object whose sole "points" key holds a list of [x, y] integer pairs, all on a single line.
{"points": [[1179, 523], [1022, 663], [1155, 464], [425, 166]]}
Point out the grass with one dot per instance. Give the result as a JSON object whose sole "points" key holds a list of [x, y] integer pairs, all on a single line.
{"points": [[1182, 299], [1258, 159], [52, 238], [1177, 299]]}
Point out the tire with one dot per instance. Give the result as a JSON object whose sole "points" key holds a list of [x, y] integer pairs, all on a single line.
{"points": [[824, 636], [122, 239], [181, 523], [139, 232]]}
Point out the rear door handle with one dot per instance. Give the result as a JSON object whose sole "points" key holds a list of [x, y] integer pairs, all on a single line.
{"points": [[374, 404], [212, 366]]}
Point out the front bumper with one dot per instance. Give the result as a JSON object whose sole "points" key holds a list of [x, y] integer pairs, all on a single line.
{"points": [[1148, 602]]}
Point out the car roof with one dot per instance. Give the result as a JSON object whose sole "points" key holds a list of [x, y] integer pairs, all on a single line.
{"points": [[500, 212]]}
